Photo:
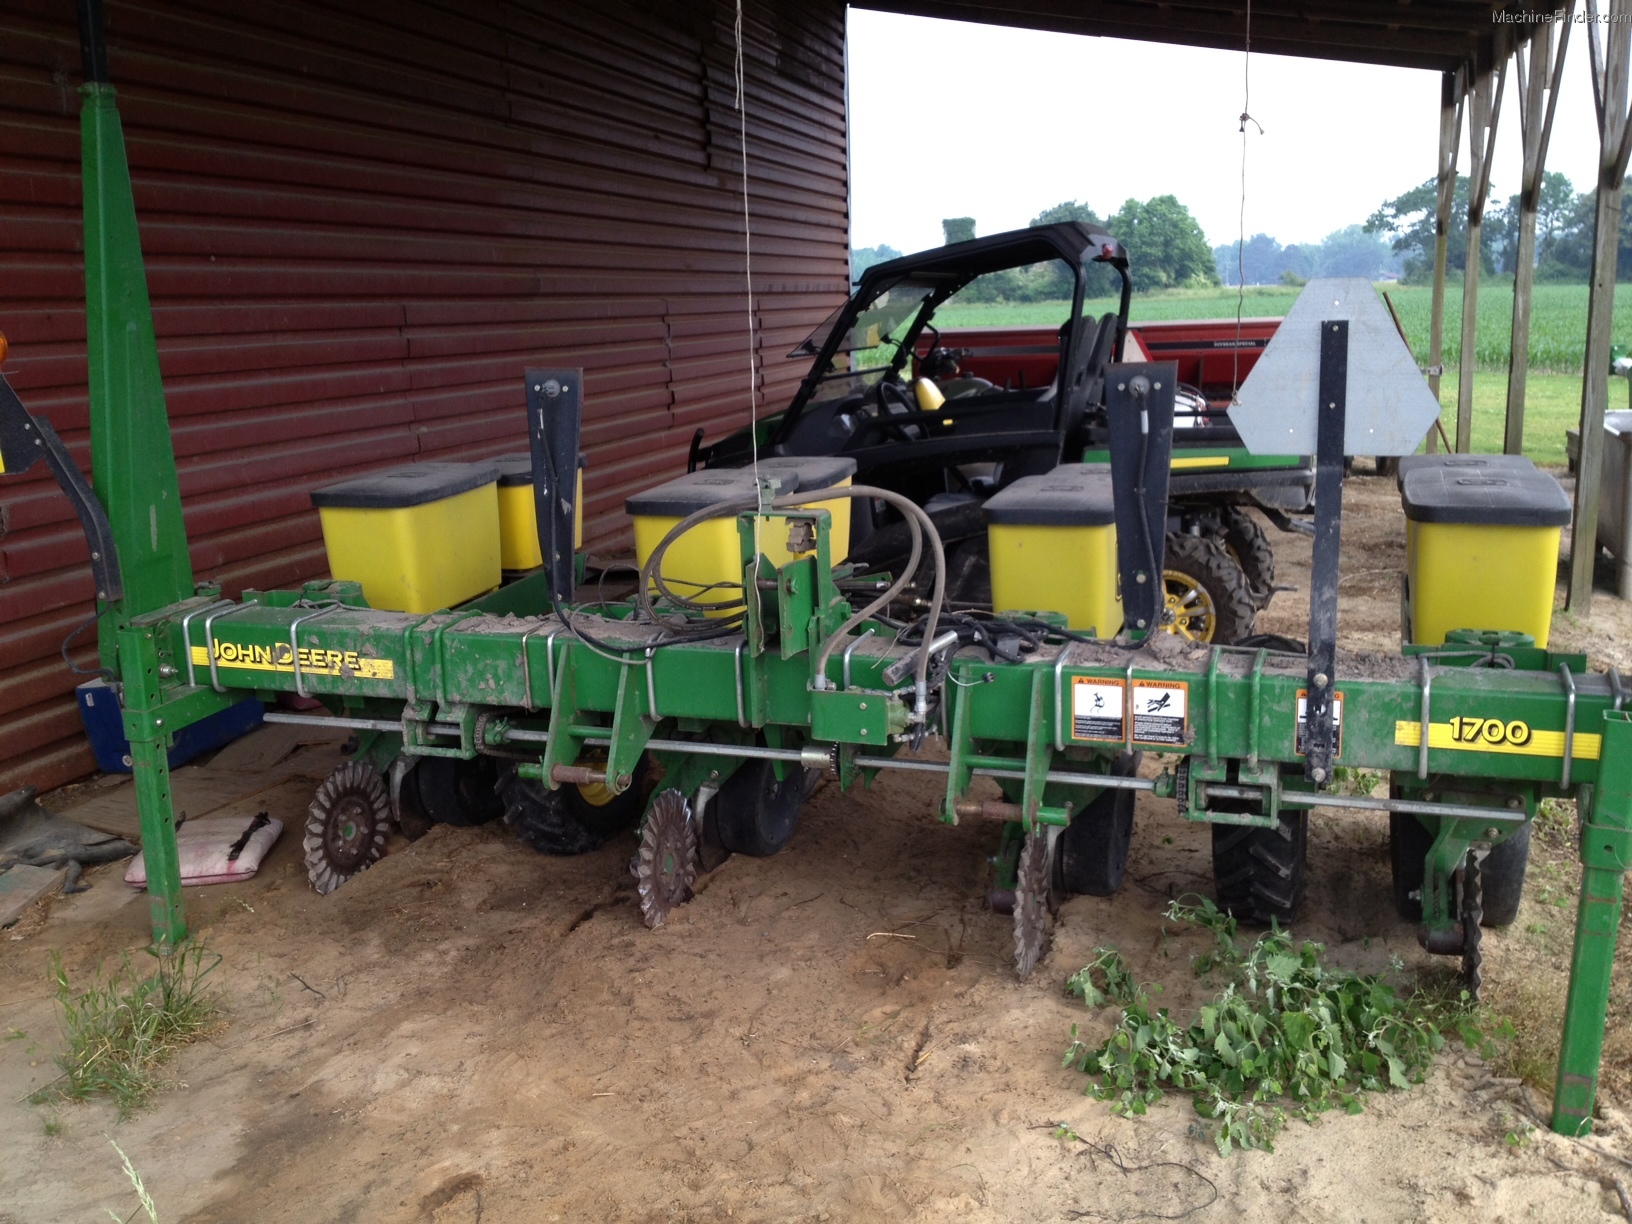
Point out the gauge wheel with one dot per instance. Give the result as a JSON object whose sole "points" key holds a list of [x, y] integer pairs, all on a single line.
{"points": [[1246, 542], [447, 790], [1092, 853], [594, 805], [755, 813], [1501, 874], [1207, 595]]}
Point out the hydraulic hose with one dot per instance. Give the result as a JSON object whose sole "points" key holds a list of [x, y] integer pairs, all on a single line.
{"points": [[921, 525]]}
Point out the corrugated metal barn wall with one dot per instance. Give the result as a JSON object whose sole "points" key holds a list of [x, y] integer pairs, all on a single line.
{"points": [[362, 220]]}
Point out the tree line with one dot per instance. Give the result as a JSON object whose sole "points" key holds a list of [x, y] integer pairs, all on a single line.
{"points": [[1167, 249], [1564, 220]]}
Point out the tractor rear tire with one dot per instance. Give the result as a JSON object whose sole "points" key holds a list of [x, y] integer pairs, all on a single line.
{"points": [[1092, 854], [754, 813], [544, 820], [1259, 873], [1245, 540], [1206, 591], [1501, 875]]}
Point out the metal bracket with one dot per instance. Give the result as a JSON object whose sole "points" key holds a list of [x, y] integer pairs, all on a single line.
{"points": [[26, 439], [1568, 681], [526, 663], [186, 641], [850, 649], [960, 770], [1330, 424], [554, 415], [210, 651], [1039, 755], [1059, 698], [1139, 411], [294, 645], [1424, 714]]}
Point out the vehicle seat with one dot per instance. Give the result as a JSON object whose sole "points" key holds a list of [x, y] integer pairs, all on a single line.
{"points": [[1099, 351]]}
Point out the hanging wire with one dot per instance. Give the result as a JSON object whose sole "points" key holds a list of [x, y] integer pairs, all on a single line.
{"points": [[748, 277], [1241, 224], [109, 677], [747, 249]]}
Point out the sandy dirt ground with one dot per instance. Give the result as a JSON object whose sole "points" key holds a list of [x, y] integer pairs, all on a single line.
{"points": [[474, 1032]]}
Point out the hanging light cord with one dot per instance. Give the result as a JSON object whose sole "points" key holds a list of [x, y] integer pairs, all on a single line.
{"points": [[1241, 221]]}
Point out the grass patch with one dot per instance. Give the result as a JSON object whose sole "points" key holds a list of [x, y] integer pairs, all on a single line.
{"points": [[123, 1026], [1286, 1033], [1552, 404]]}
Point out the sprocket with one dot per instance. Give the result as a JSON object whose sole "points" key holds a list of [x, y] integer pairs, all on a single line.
{"points": [[1033, 911], [345, 830], [666, 865]]}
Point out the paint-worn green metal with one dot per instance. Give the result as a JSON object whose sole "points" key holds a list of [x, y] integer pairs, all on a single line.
{"points": [[1606, 856], [133, 467], [506, 675]]}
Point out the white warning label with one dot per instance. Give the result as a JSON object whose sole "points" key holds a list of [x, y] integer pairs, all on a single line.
{"points": [[1159, 711], [1300, 743], [1096, 709]]}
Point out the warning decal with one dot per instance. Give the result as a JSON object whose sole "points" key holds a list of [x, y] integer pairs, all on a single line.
{"points": [[1160, 708], [1300, 739], [1097, 709]]}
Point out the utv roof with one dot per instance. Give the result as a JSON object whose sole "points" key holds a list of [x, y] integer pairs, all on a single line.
{"points": [[1071, 241]]}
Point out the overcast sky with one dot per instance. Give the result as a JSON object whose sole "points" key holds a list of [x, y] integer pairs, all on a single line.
{"points": [[949, 119]]}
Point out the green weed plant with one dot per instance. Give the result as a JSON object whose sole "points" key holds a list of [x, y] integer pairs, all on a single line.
{"points": [[1286, 1034], [1105, 979]]}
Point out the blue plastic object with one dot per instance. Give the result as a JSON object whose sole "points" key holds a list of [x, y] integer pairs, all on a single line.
{"points": [[105, 727]]}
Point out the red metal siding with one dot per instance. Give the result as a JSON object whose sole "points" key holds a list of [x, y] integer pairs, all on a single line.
{"points": [[359, 229]]}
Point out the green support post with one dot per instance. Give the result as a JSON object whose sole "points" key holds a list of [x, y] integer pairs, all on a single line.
{"points": [[1606, 853], [133, 466], [150, 763], [146, 728]]}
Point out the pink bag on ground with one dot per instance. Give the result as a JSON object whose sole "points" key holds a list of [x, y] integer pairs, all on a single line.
{"points": [[216, 849]]}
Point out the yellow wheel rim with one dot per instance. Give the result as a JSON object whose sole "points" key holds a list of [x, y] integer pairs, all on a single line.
{"points": [[596, 794], [1191, 614]]}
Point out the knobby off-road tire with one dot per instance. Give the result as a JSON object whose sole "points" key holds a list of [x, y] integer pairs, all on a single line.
{"points": [[1246, 542], [544, 819], [1259, 874], [1501, 874], [1207, 592]]}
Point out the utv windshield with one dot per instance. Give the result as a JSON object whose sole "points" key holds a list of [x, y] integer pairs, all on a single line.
{"points": [[874, 342]]}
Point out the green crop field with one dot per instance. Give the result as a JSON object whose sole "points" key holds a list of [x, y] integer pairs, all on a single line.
{"points": [[1557, 339], [1558, 324]]}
